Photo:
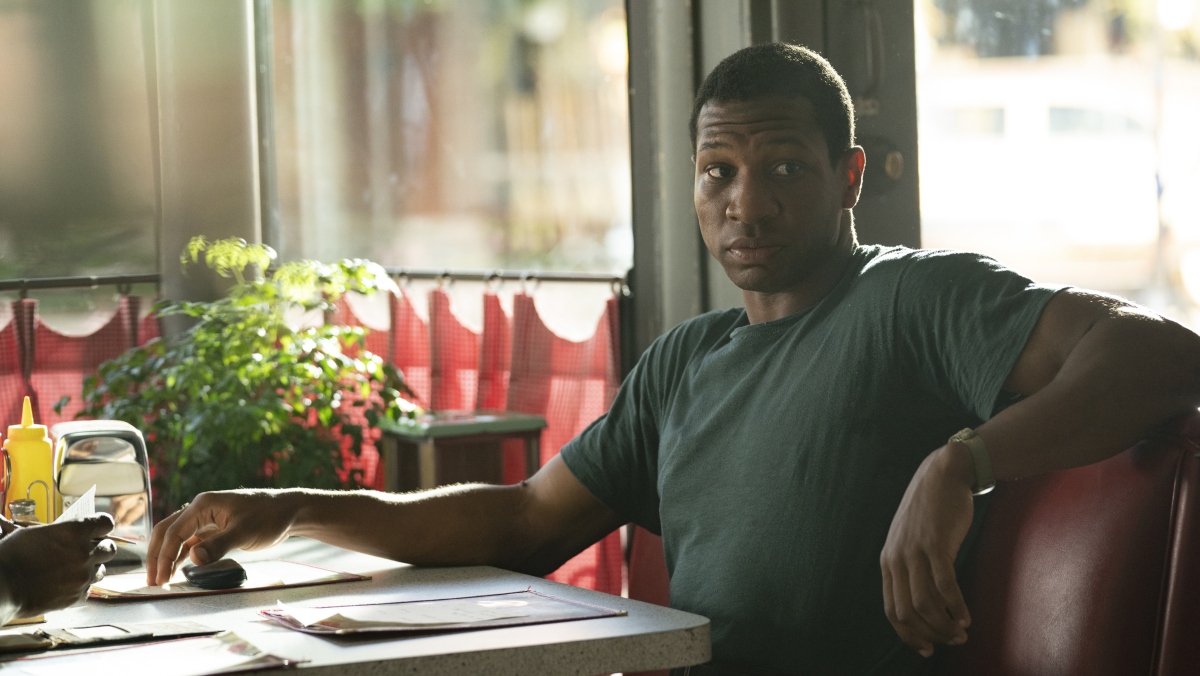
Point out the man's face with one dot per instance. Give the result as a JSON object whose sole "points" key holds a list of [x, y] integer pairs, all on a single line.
{"points": [[769, 203]]}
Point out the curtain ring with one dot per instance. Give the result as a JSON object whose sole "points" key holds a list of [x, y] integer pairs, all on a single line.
{"points": [[124, 288], [444, 279], [492, 281], [404, 279], [525, 277]]}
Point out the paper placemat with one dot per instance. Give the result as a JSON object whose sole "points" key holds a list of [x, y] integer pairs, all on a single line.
{"points": [[221, 654], [259, 575], [510, 609], [54, 638]]}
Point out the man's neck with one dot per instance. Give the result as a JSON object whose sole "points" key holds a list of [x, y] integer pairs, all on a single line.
{"points": [[810, 290]]}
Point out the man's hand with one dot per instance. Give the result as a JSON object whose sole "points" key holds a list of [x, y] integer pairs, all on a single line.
{"points": [[44, 568], [214, 524], [920, 593]]}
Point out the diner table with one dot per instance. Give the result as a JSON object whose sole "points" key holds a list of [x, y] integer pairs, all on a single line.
{"points": [[648, 637]]}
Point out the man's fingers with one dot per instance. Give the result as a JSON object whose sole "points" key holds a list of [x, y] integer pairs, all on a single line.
{"points": [[947, 586], [179, 532], [152, 550], [214, 548], [907, 622], [889, 609], [930, 606], [889, 604], [186, 550]]}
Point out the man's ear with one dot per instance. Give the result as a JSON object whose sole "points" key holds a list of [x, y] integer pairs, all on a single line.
{"points": [[851, 167]]}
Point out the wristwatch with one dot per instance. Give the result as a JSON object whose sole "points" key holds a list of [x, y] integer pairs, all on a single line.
{"points": [[985, 480]]}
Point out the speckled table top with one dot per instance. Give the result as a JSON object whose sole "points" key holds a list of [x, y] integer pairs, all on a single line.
{"points": [[649, 637]]}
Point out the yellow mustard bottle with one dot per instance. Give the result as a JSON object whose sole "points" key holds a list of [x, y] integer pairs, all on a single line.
{"points": [[32, 458]]}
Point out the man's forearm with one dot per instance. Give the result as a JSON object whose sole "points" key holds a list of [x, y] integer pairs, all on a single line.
{"points": [[458, 525], [531, 527], [1125, 376]]}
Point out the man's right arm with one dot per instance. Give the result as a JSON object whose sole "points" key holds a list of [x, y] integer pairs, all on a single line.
{"points": [[531, 527]]}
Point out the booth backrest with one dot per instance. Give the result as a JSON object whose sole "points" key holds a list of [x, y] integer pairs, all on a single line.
{"points": [[1093, 570]]}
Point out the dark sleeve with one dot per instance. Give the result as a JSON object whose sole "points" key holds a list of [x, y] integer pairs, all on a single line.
{"points": [[964, 320], [616, 457]]}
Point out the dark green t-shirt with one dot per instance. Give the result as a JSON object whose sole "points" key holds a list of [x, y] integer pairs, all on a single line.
{"points": [[772, 457]]}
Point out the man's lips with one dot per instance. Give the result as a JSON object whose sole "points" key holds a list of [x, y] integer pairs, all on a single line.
{"points": [[751, 254]]}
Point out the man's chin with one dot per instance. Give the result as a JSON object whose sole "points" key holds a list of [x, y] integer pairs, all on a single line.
{"points": [[756, 278]]}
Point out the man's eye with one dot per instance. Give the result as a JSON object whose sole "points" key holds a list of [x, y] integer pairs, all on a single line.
{"points": [[719, 172], [787, 169]]}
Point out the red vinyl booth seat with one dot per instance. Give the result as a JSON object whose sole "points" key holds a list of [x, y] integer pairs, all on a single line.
{"points": [[1093, 570]]}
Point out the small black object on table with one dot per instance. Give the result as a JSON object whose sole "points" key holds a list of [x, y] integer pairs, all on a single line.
{"points": [[222, 574]]}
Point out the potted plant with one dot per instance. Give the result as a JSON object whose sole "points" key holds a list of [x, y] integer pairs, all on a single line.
{"points": [[243, 398]]}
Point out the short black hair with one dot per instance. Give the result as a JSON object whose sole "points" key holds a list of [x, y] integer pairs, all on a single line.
{"points": [[779, 69]]}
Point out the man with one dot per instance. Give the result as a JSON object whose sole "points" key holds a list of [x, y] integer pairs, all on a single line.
{"points": [[791, 452], [44, 568]]}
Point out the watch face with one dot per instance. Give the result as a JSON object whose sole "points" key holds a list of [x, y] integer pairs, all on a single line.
{"points": [[963, 435]]}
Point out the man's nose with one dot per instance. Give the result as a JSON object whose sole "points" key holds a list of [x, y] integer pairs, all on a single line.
{"points": [[751, 200]]}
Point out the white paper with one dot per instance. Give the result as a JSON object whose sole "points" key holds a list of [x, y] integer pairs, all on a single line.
{"points": [[452, 611], [188, 657], [81, 509], [417, 614], [259, 575], [98, 631]]}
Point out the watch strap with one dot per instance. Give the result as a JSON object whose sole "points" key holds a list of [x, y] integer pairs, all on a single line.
{"points": [[985, 478]]}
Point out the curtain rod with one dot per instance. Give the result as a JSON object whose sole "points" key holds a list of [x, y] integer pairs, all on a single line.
{"points": [[93, 281], [510, 275], [83, 282]]}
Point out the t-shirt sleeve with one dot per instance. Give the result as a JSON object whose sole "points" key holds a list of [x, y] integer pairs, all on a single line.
{"points": [[616, 457], [965, 319]]}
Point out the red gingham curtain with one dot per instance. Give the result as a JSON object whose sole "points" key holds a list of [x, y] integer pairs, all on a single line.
{"points": [[368, 462], [495, 354], [495, 359], [60, 362], [410, 346], [376, 342], [147, 329], [570, 384], [14, 370], [454, 357], [406, 345]]}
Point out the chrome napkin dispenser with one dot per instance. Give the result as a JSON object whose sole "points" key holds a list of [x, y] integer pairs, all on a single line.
{"points": [[110, 455]]}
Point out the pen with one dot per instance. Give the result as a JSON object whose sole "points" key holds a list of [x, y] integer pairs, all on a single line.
{"points": [[118, 538]]}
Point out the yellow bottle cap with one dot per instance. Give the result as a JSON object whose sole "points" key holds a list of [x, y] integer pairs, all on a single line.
{"points": [[26, 431]]}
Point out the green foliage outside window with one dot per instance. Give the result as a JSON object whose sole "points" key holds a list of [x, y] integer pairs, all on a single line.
{"points": [[242, 399]]}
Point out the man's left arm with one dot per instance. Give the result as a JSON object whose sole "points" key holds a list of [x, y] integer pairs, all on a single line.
{"points": [[1098, 374]]}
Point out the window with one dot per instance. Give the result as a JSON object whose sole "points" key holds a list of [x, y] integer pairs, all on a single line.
{"points": [[983, 121], [1091, 121], [76, 174], [1071, 149], [490, 134]]}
